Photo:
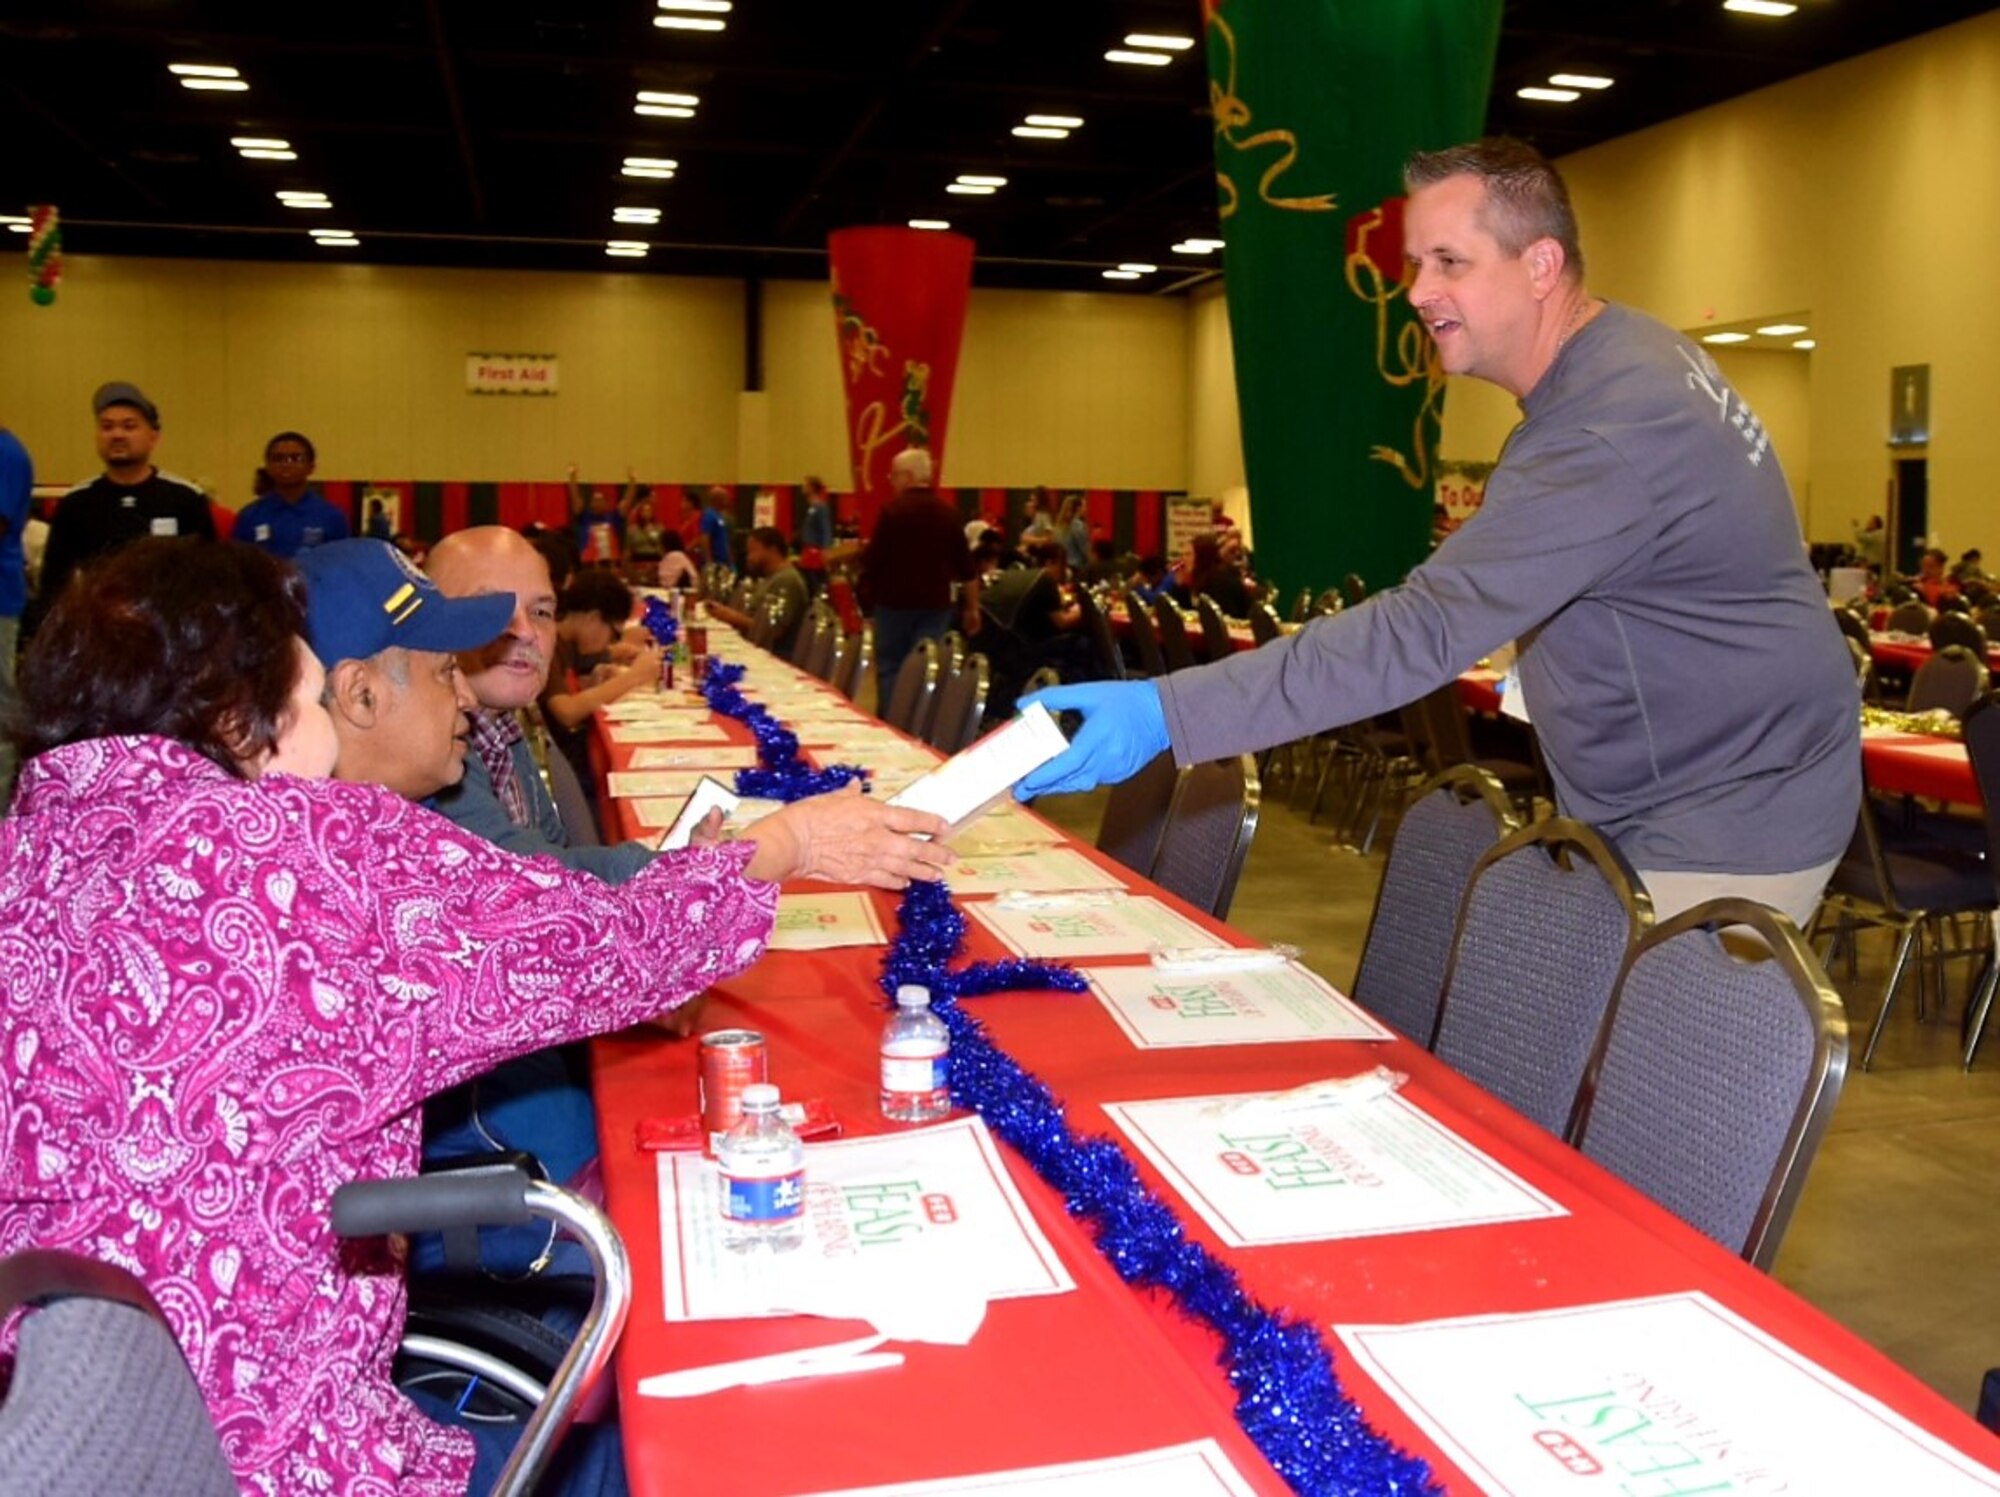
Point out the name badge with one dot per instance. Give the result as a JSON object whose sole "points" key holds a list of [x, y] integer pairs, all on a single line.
{"points": [[263, 532], [165, 525]]}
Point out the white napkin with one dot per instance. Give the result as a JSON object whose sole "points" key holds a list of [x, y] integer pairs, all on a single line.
{"points": [[1313, 1096], [1191, 961]]}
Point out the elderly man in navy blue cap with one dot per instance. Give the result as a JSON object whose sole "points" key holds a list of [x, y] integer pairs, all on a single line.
{"points": [[389, 641]]}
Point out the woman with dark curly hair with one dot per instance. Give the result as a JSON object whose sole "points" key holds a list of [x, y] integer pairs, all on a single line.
{"points": [[228, 983]]}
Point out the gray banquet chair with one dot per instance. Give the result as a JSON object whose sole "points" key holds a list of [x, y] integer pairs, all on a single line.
{"points": [[1174, 646], [961, 703], [1135, 814], [1452, 823], [1549, 917], [1951, 680], [1982, 744], [1145, 638], [1104, 651], [850, 667], [1958, 629], [1715, 1076], [101, 1398], [916, 683], [1910, 617], [1216, 639], [1208, 832]]}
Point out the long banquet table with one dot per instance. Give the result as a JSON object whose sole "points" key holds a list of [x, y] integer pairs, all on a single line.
{"points": [[1107, 1371]]}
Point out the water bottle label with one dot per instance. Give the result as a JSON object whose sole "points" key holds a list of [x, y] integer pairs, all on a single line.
{"points": [[777, 1198], [916, 1073]]}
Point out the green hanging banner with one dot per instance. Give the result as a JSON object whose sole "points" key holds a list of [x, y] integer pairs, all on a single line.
{"points": [[1317, 105]]}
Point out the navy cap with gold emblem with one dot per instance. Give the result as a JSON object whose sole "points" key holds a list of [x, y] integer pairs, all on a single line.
{"points": [[364, 597]]}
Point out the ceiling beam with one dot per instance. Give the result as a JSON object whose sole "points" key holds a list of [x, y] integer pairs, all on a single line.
{"points": [[448, 74]]}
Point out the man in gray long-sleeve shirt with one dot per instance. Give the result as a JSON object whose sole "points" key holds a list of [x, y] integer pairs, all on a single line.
{"points": [[1693, 697]]}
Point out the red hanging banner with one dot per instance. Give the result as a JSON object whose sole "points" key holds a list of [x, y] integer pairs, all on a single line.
{"points": [[899, 298]]}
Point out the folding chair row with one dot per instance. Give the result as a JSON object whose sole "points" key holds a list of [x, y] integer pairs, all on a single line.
{"points": [[1188, 830]]}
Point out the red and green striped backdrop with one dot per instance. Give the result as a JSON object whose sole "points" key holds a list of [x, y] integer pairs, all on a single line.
{"points": [[1131, 519]]}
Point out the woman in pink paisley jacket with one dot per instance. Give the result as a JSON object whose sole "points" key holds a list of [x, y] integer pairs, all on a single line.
{"points": [[228, 983]]}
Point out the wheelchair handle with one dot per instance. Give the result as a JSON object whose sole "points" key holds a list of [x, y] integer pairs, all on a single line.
{"points": [[494, 1195]]}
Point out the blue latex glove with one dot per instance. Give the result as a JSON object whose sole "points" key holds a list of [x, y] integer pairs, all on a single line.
{"points": [[1124, 727]]}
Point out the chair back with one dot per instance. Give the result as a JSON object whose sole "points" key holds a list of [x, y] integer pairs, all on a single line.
{"points": [[961, 703], [1145, 638], [1445, 727], [1264, 625], [1951, 679], [1353, 589], [571, 800], [1042, 680], [1216, 639], [1958, 629], [1714, 1077], [1104, 649], [951, 650], [1852, 625], [101, 1399], [857, 653], [1912, 616], [1207, 837], [1988, 620], [909, 701], [1300, 605], [840, 593], [1551, 913], [1174, 646], [1135, 814], [1864, 663], [1982, 746], [1452, 823], [1328, 602], [823, 642]]}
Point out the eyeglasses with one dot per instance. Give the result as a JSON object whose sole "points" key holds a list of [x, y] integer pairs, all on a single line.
{"points": [[287, 457]]}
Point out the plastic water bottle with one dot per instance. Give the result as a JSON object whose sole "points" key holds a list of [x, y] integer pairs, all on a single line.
{"points": [[916, 1061], [763, 1168]]}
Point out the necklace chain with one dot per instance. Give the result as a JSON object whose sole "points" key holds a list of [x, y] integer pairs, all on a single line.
{"points": [[1575, 321]]}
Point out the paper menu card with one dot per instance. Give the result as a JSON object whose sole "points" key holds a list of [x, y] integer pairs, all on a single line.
{"points": [[720, 756], [669, 730], [1361, 1170], [1003, 829], [1668, 1395], [899, 1214], [1197, 1469], [1118, 926], [1275, 1006], [821, 922], [628, 784], [663, 811], [980, 774], [1041, 868]]}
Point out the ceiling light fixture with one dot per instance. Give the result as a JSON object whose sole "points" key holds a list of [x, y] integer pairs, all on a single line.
{"points": [[663, 111], [1054, 121], [1040, 132], [1549, 95], [626, 249], [974, 179], [1579, 80], [1138, 267], [1726, 338], [1807, 344], [653, 168], [1139, 59], [259, 143], [1759, 7], [681, 23], [970, 189], [635, 215], [14, 223], [1121, 275], [269, 155], [1783, 329], [1196, 247], [311, 200], [201, 70], [341, 240], [686, 101], [216, 85], [704, 7], [1160, 43], [929, 223]]}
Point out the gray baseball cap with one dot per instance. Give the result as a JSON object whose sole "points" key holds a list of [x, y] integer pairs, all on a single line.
{"points": [[118, 392]]}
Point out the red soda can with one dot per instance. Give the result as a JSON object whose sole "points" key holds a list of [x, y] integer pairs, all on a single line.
{"points": [[697, 638], [731, 1059]]}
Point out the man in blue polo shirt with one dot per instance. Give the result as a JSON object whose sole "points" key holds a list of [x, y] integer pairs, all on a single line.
{"points": [[292, 517]]}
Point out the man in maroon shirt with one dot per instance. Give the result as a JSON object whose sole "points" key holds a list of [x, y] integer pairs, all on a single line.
{"points": [[917, 552]]}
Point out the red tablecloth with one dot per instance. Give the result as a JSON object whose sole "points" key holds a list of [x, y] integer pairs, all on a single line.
{"points": [[1912, 764], [1105, 1370], [1906, 655]]}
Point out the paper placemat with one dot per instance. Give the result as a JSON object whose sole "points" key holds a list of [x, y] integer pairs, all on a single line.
{"points": [[1132, 926], [1280, 1005], [720, 756], [1043, 868], [821, 922]]}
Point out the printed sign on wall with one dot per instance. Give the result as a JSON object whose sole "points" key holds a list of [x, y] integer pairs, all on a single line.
{"points": [[510, 373]]}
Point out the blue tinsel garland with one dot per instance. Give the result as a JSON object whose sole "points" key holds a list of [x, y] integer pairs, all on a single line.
{"points": [[781, 774], [1288, 1399], [660, 622]]}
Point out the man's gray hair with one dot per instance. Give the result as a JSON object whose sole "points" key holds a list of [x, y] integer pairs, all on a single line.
{"points": [[1526, 199], [914, 464]]}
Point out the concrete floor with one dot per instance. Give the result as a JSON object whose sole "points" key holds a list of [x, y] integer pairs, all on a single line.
{"points": [[1905, 1192]]}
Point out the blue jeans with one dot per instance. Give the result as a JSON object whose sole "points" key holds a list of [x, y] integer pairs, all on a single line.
{"points": [[590, 1462], [897, 632]]}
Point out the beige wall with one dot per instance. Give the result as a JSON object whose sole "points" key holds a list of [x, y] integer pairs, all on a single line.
{"points": [[1073, 390]]}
